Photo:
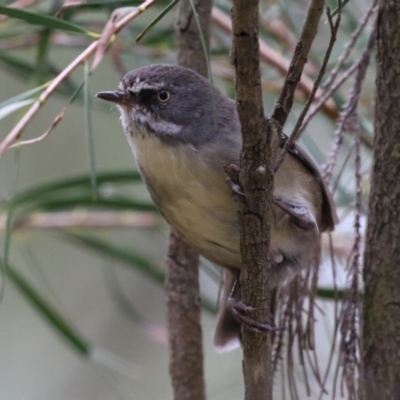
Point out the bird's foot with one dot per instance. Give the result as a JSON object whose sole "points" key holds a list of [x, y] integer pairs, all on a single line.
{"points": [[241, 312], [232, 180]]}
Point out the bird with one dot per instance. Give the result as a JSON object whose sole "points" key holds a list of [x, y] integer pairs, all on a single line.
{"points": [[182, 130]]}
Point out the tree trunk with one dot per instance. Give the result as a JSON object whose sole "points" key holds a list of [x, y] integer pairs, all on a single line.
{"points": [[382, 253]]}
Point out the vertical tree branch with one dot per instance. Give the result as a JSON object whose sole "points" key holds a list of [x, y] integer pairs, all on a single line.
{"points": [[182, 286], [260, 141], [260, 147], [382, 256], [184, 328]]}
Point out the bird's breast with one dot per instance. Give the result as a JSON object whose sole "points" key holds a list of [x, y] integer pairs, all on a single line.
{"points": [[192, 196]]}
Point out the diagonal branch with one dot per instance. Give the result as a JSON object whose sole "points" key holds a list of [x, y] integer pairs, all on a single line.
{"points": [[308, 33], [334, 27]]}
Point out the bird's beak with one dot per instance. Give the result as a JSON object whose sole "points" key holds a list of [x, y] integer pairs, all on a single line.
{"points": [[117, 96]]}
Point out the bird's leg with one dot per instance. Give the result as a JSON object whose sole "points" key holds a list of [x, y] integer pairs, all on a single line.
{"points": [[241, 312], [300, 215]]}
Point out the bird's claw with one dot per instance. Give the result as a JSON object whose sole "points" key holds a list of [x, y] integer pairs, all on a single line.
{"points": [[232, 179], [240, 311]]}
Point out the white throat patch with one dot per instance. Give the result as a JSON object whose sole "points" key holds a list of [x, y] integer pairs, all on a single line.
{"points": [[138, 121]]}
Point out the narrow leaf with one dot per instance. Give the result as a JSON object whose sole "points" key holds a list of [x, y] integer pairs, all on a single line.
{"points": [[46, 310], [136, 261], [25, 95], [44, 20], [77, 182], [7, 110], [89, 131], [128, 257], [155, 20]]}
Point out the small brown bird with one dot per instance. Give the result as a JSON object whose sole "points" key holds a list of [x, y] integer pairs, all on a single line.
{"points": [[182, 130]]}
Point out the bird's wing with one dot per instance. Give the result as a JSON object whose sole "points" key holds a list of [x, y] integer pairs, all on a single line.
{"points": [[329, 217]]}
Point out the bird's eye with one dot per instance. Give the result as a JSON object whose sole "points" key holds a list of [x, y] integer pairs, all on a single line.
{"points": [[163, 95]]}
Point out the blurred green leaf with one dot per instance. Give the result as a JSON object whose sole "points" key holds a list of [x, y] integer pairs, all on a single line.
{"points": [[26, 70], [104, 4], [336, 10], [155, 20], [10, 212], [17, 66], [89, 130], [42, 56], [82, 182], [7, 110], [45, 21], [50, 314], [130, 258], [330, 294], [25, 95], [162, 38]]}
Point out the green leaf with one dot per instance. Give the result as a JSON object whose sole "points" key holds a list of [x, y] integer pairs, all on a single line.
{"points": [[10, 212], [130, 258], [336, 10], [155, 20], [45, 21], [7, 110], [103, 4], [89, 130], [25, 71], [49, 313], [81, 182], [23, 96], [330, 294], [161, 38], [17, 66], [43, 47]]}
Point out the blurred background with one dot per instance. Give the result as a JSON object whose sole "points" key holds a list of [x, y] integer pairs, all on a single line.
{"points": [[82, 304]]}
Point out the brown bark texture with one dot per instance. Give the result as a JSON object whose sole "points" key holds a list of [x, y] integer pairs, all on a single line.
{"points": [[184, 328], [256, 180], [381, 337], [308, 33], [182, 285]]}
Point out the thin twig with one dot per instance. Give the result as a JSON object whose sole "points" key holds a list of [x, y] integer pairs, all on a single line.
{"points": [[308, 33], [334, 27], [17, 131], [342, 168], [350, 106], [350, 46], [334, 86], [272, 57]]}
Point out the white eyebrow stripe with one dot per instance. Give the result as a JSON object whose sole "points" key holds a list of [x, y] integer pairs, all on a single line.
{"points": [[139, 86]]}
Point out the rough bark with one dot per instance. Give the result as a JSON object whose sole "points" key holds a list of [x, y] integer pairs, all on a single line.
{"points": [[184, 328], [182, 286], [256, 180], [382, 256]]}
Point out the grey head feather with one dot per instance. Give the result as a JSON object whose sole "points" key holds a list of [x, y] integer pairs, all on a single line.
{"points": [[195, 114]]}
